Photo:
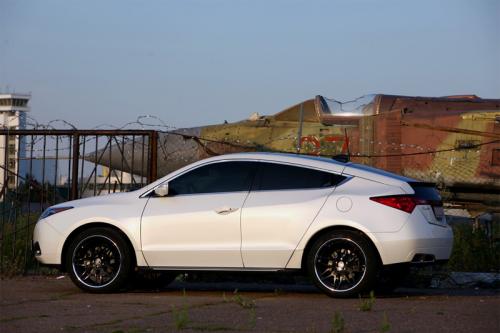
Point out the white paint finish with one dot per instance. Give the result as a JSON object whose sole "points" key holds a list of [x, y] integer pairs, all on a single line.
{"points": [[417, 236], [378, 175], [344, 204], [48, 239], [122, 210], [365, 215], [205, 231], [193, 230], [273, 222]]}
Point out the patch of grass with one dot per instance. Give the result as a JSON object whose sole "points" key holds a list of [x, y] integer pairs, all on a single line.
{"points": [[367, 303], [338, 323], [181, 317], [473, 251], [385, 326], [252, 321], [244, 302]]}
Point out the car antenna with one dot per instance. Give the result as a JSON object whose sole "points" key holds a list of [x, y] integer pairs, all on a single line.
{"points": [[344, 158]]}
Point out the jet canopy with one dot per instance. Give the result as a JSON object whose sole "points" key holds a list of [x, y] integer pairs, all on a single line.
{"points": [[362, 106]]}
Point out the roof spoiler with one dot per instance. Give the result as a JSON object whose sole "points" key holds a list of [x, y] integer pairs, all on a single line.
{"points": [[341, 158]]}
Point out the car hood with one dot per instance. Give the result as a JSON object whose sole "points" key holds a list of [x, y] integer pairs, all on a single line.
{"points": [[113, 198]]}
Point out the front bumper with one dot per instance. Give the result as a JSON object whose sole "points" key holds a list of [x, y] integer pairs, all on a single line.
{"points": [[46, 241]]}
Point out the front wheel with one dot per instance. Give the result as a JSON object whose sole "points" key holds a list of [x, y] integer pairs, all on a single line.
{"points": [[99, 260], [342, 263]]}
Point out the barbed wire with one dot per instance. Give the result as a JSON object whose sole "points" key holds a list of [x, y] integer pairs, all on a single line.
{"points": [[162, 127]]}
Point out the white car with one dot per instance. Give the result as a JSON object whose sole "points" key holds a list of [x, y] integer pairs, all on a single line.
{"points": [[340, 222]]}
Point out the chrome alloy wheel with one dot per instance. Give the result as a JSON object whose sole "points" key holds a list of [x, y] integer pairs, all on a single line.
{"points": [[340, 264], [96, 261]]}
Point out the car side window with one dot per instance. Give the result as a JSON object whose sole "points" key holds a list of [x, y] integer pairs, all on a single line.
{"points": [[214, 178], [273, 176]]}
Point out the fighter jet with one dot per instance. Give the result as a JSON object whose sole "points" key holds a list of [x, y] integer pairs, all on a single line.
{"points": [[453, 141]]}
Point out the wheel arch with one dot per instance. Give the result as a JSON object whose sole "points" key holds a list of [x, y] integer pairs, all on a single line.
{"points": [[319, 233], [87, 226]]}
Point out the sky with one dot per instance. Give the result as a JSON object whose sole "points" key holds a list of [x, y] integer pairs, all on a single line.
{"points": [[199, 62]]}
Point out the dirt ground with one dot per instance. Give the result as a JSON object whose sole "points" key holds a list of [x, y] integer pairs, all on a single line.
{"points": [[48, 304]]}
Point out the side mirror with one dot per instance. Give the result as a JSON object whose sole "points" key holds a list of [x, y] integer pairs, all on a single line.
{"points": [[162, 190]]}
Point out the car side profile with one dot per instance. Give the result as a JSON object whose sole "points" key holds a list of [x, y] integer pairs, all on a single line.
{"points": [[342, 223]]}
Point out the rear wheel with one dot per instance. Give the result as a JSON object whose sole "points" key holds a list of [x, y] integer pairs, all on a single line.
{"points": [[342, 263], [99, 260]]}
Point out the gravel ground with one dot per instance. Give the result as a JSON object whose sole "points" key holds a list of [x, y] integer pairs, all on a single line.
{"points": [[48, 304]]}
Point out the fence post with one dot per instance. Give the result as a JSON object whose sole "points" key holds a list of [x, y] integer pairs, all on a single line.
{"points": [[153, 156], [74, 167]]}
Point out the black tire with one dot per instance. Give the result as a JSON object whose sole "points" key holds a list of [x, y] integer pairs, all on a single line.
{"points": [[99, 260], [342, 263]]}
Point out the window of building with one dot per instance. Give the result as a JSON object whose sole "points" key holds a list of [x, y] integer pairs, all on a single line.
{"points": [[12, 163], [12, 148]]}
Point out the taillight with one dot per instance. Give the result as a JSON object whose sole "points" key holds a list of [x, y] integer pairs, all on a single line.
{"points": [[406, 203]]}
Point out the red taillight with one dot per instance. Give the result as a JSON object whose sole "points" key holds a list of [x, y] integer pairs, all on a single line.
{"points": [[406, 203]]}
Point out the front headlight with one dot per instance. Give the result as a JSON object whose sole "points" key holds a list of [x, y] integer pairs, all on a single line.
{"points": [[53, 210]]}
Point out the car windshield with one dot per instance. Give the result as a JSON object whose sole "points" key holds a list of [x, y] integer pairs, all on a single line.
{"points": [[362, 106]]}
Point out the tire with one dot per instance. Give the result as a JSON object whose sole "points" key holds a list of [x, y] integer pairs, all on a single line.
{"points": [[99, 260], [342, 263]]}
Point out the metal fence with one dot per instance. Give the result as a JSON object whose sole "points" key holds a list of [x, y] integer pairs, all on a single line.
{"points": [[40, 168]]}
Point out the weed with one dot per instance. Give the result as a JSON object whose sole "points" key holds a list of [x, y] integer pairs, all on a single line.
{"points": [[385, 326], [252, 321], [181, 317], [244, 302], [338, 324], [367, 304]]}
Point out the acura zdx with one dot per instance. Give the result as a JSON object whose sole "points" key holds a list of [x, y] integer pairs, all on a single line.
{"points": [[342, 223]]}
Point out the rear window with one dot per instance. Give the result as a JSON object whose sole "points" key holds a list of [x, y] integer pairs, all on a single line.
{"points": [[273, 176]]}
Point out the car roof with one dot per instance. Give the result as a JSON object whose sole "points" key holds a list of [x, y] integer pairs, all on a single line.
{"points": [[352, 169], [288, 158]]}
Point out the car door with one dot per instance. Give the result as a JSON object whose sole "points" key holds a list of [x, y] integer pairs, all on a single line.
{"points": [[198, 223], [282, 204]]}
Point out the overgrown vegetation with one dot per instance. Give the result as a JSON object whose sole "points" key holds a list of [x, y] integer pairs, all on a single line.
{"points": [[367, 303], [385, 326], [338, 323], [473, 250], [181, 317]]}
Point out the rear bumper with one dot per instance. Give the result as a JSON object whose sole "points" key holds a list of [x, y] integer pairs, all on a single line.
{"points": [[417, 242]]}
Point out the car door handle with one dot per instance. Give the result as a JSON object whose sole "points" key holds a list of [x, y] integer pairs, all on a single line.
{"points": [[225, 210]]}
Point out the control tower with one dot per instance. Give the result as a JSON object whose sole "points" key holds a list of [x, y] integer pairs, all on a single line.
{"points": [[13, 108]]}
